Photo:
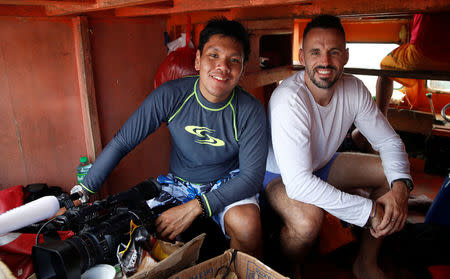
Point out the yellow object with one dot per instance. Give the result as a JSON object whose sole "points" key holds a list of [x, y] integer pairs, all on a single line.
{"points": [[230, 275], [133, 227], [403, 34], [162, 249], [407, 57]]}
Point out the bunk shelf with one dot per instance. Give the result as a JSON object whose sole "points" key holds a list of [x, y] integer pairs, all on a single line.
{"points": [[434, 75], [408, 120], [264, 77]]}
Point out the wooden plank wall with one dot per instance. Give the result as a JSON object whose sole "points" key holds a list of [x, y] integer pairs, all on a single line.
{"points": [[126, 54], [42, 84], [41, 131]]}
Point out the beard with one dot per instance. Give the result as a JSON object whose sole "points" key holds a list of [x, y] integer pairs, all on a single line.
{"points": [[323, 83]]}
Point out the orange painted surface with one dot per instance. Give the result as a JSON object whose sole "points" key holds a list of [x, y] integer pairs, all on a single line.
{"points": [[416, 98], [126, 54], [385, 31], [25, 10], [41, 132], [373, 31]]}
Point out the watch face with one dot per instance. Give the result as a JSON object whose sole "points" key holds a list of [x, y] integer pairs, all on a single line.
{"points": [[409, 184]]}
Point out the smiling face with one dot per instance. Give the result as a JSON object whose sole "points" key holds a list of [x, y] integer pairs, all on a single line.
{"points": [[220, 64], [324, 56]]}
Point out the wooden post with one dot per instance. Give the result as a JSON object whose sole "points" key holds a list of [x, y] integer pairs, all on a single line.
{"points": [[86, 87], [87, 93], [296, 43]]}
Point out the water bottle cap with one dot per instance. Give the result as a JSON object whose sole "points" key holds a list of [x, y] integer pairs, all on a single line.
{"points": [[83, 159]]}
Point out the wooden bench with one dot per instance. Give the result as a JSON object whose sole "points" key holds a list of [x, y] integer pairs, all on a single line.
{"points": [[404, 120], [265, 77], [434, 75]]}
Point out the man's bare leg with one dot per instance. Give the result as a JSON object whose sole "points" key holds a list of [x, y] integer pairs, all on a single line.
{"points": [[243, 225], [385, 87], [302, 223], [349, 172], [365, 265]]}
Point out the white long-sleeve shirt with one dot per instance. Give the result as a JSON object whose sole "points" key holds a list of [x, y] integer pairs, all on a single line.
{"points": [[306, 135]]}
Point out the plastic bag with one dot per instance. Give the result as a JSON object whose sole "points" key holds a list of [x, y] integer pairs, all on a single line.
{"points": [[180, 42], [179, 62], [132, 254], [15, 248]]}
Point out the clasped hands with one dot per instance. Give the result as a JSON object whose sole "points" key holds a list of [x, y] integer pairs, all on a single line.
{"points": [[391, 211]]}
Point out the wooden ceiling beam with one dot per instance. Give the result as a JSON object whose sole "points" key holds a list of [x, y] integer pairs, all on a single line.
{"points": [[45, 2], [363, 8], [184, 6], [241, 9], [25, 11], [297, 9], [64, 9], [269, 24]]}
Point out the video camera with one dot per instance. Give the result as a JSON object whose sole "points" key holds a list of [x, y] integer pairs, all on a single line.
{"points": [[99, 228]]}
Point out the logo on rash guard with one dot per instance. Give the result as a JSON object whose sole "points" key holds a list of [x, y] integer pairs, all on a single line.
{"points": [[203, 132]]}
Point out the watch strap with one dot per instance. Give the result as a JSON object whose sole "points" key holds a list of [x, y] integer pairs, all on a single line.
{"points": [[408, 182]]}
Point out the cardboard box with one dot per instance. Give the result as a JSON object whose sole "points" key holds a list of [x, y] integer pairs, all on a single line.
{"points": [[185, 256], [245, 267]]}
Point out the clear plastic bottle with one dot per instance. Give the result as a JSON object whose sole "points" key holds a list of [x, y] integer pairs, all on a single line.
{"points": [[83, 168]]}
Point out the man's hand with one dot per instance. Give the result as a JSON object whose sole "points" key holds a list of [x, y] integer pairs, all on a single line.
{"points": [[84, 196], [395, 203], [376, 220], [177, 219]]}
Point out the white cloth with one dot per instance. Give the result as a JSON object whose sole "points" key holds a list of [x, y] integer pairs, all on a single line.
{"points": [[306, 135]]}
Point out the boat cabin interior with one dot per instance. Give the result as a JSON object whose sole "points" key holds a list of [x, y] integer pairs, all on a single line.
{"points": [[73, 71]]}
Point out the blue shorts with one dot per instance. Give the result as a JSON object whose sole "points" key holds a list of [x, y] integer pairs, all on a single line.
{"points": [[176, 191], [322, 173], [439, 209]]}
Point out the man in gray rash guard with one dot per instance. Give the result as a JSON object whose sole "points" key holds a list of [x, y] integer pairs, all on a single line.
{"points": [[218, 133]]}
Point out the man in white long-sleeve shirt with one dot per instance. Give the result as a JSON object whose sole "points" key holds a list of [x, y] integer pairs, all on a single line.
{"points": [[310, 114]]}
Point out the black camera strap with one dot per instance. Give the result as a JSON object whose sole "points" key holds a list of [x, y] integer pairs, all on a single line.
{"points": [[228, 268]]}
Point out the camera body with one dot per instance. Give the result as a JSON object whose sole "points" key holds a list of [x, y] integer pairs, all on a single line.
{"points": [[99, 228]]}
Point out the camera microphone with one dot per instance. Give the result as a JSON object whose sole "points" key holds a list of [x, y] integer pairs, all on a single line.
{"points": [[34, 211], [29, 213], [46, 207]]}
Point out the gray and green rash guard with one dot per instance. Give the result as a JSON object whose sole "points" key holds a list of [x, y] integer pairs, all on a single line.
{"points": [[208, 140]]}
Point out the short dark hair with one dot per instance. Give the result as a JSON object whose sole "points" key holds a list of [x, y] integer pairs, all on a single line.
{"points": [[325, 22], [227, 28]]}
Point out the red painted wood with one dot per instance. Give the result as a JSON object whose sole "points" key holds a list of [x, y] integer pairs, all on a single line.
{"points": [[87, 88], [126, 54], [13, 10], [40, 105], [99, 5]]}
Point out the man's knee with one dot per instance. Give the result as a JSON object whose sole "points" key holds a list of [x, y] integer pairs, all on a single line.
{"points": [[243, 224], [274, 190], [301, 221], [305, 225]]}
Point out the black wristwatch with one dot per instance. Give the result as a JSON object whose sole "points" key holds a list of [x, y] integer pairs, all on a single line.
{"points": [[408, 182]]}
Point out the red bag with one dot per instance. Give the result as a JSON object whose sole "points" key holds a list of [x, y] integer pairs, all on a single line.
{"points": [[15, 248], [179, 63], [11, 197]]}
